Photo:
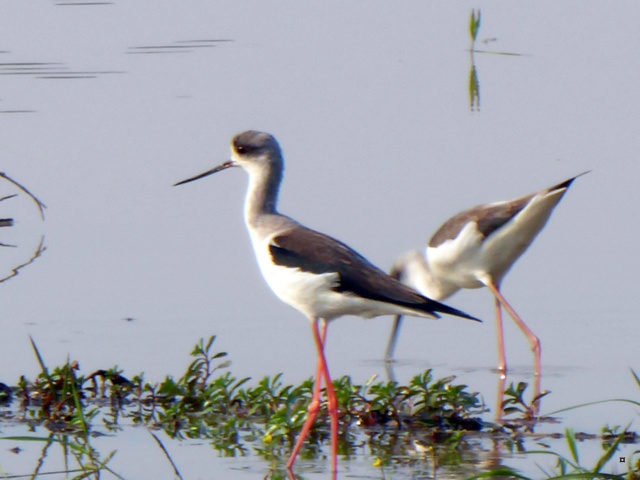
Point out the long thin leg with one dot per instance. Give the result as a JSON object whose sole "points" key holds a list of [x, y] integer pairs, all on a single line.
{"points": [[393, 338], [533, 340], [535, 401], [500, 397], [314, 406], [332, 401], [502, 362]]}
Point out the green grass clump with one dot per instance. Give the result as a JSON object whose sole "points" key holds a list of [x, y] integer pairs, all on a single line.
{"points": [[432, 420]]}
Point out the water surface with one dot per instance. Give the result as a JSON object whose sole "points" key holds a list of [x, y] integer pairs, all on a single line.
{"points": [[104, 105]]}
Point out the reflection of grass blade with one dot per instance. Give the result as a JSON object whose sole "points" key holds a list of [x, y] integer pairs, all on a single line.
{"points": [[19, 438], [474, 88], [586, 475], [39, 250], [623, 400], [506, 54], [103, 466], [571, 442], [500, 472], [7, 197], [635, 375], [474, 84], [62, 441], [610, 451], [41, 206], [175, 468]]}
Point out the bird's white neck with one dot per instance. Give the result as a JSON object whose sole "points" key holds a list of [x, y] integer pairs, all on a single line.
{"points": [[413, 270], [262, 194]]}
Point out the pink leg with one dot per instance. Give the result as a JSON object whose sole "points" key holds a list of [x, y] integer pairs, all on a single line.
{"points": [[536, 393], [502, 362], [332, 401], [500, 397], [533, 340], [314, 407]]}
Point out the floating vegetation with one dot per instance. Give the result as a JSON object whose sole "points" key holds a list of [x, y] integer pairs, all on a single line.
{"points": [[432, 420]]}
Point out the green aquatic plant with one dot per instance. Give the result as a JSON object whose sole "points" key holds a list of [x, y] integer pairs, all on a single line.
{"points": [[474, 26], [515, 403], [568, 468], [474, 82], [56, 400], [572, 467], [430, 420]]}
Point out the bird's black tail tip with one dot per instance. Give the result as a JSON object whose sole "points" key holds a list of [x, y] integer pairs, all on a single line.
{"points": [[567, 183], [442, 308]]}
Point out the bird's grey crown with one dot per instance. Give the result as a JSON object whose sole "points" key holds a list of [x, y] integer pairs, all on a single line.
{"points": [[252, 142]]}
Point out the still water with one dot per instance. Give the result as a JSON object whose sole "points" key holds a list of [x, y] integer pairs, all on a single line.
{"points": [[104, 105]]}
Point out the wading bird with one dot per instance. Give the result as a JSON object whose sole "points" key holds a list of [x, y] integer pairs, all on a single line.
{"points": [[476, 248], [316, 274]]}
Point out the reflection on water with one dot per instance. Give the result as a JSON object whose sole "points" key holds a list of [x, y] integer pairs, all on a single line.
{"points": [[41, 206], [474, 82], [179, 46], [428, 428], [25, 256], [474, 86], [83, 3], [104, 150], [6, 222], [36, 254], [28, 68], [413, 451], [55, 70]]}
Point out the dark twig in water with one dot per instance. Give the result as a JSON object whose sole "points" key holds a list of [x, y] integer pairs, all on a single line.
{"points": [[175, 468], [7, 197], [41, 206], [41, 248], [7, 222]]}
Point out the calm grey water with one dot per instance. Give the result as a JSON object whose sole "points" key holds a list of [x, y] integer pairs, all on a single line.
{"points": [[104, 106]]}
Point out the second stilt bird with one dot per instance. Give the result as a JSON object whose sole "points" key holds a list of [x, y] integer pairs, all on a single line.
{"points": [[476, 248]]}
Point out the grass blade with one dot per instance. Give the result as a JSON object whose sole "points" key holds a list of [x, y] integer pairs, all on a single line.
{"points": [[45, 371], [571, 441], [166, 453], [610, 451]]}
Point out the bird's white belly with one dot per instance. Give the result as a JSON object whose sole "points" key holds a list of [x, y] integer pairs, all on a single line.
{"points": [[460, 260], [313, 294]]}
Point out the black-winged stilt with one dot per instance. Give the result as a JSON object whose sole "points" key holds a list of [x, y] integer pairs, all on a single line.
{"points": [[319, 276], [476, 248]]}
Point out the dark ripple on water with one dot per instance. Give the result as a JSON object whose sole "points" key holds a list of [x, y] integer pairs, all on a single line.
{"points": [[80, 3], [48, 71], [179, 46]]}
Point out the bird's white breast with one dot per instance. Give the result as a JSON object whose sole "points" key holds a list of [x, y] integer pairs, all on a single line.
{"points": [[313, 294], [459, 260]]}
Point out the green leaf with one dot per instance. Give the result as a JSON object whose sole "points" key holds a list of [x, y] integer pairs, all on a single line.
{"points": [[571, 441], [610, 452]]}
